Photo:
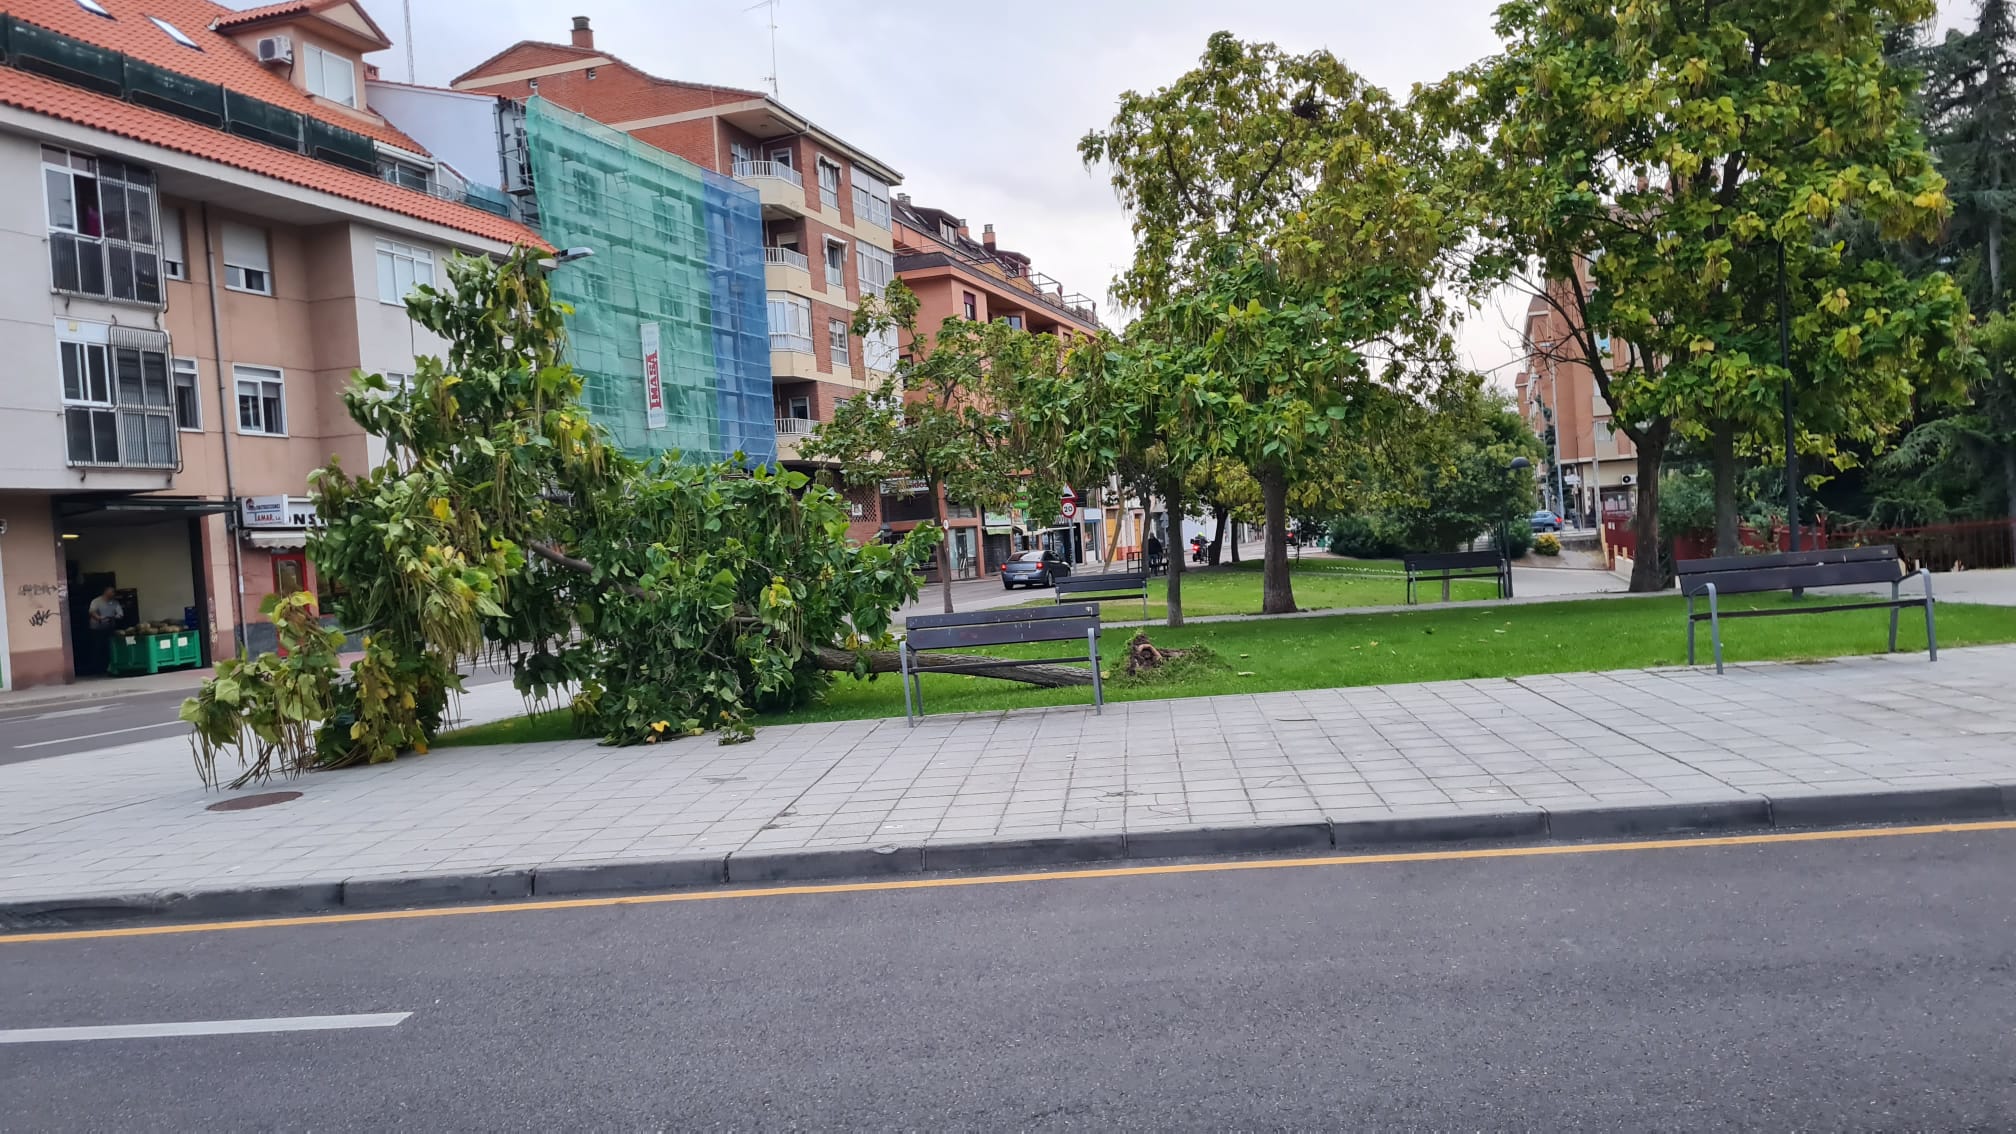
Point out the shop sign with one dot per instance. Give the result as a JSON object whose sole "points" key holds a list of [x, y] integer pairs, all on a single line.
{"points": [[276, 512]]}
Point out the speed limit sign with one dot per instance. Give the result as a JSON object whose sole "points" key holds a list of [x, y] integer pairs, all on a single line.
{"points": [[1068, 508]]}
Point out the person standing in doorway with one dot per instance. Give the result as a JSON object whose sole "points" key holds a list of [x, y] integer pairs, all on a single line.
{"points": [[106, 612]]}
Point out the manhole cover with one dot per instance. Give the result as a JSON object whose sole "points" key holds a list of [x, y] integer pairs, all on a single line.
{"points": [[248, 802]]}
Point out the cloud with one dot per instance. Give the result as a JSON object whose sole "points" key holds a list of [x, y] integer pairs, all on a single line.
{"points": [[980, 106]]}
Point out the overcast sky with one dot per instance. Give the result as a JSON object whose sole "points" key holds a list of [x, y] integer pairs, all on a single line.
{"points": [[980, 106]]}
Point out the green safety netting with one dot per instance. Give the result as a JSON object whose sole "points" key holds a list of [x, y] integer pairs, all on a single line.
{"points": [[678, 247]]}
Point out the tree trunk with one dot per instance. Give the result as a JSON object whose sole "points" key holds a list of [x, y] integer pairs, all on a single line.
{"points": [[1722, 460], [1172, 505], [1218, 515], [1995, 235], [1277, 587], [1235, 541], [885, 661], [944, 546], [1647, 574]]}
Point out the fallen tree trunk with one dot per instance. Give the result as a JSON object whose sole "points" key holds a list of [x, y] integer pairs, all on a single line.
{"points": [[885, 661], [879, 661]]}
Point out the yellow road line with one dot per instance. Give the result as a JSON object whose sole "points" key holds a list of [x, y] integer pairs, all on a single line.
{"points": [[1061, 875]]}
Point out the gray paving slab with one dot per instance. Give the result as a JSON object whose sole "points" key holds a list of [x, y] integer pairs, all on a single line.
{"points": [[1564, 756]]}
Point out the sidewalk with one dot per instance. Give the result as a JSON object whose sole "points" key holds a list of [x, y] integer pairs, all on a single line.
{"points": [[124, 830]]}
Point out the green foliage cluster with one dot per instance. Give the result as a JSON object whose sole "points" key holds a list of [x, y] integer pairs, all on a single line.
{"points": [[675, 598]]}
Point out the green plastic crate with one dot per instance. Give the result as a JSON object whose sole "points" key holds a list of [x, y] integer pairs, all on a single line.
{"points": [[152, 653]]}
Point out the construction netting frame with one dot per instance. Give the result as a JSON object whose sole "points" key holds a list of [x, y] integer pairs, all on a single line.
{"points": [[678, 256]]}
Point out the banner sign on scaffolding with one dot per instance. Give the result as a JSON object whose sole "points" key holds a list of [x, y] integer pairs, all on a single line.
{"points": [[654, 387]]}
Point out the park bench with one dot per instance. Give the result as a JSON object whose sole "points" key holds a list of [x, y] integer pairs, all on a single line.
{"points": [[1797, 571], [1432, 566], [1108, 587], [1077, 622]]}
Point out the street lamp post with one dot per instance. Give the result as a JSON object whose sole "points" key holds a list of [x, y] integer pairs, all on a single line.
{"points": [[1504, 528]]}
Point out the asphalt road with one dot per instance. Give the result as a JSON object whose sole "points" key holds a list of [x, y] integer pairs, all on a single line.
{"points": [[95, 721], [1819, 985]]}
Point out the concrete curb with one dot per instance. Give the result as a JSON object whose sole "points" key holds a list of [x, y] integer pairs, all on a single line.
{"points": [[1810, 809]]}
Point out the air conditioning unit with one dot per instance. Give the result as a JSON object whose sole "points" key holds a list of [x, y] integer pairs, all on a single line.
{"points": [[276, 49], [1627, 480]]}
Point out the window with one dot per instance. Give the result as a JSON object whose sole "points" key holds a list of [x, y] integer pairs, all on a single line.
{"points": [[969, 304], [783, 156], [174, 33], [188, 399], [247, 266], [949, 232], [1014, 321], [401, 268], [790, 322], [875, 266], [836, 264], [331, 76], [799, 409], [836, 341], [102, 237], [405, 173], [117, 405], [829, 184], [94, 7], [871, 198], [878, 351], [262, 400], [173, 264]]}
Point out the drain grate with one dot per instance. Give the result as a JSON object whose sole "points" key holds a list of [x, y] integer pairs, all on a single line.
{"points": [[248, 802]]}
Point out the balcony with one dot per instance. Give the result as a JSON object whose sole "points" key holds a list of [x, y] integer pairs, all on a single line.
{"points": [[791, 432], [791, 356], [780, 188], [107, 437], [786, 269]]}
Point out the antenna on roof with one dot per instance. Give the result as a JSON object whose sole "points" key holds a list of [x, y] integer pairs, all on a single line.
{"points": [[410, 76], [770, 78]]}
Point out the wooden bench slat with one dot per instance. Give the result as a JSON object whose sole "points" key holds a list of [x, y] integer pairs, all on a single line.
{"points": [[1001, 633], [1686, 567], [1450, 560], [1797, 576], [1009, 614]]}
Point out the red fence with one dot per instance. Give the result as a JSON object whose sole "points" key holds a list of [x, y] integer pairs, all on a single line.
{"points": [[1971, 545], [1968, 546]]}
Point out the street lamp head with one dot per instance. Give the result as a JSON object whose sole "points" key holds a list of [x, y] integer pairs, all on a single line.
{"points": [[573, 254], [1518, 463]]}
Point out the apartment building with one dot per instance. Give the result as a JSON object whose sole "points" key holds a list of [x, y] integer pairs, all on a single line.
{"points": [[1595, 464], [669, 328], [205, 228], [825, 211], [956, 276]]}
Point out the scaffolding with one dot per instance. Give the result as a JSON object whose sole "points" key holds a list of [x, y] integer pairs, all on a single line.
{"points": [[678, 247]]}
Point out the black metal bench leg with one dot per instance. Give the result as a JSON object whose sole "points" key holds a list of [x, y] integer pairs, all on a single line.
{"points": [[1690, 629], [1931, 631], [1893, 616], [1715, 625], [903, 663], [1098, 688]]}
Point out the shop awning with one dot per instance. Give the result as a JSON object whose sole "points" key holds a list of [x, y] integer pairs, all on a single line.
{"points": [[289, 539]]}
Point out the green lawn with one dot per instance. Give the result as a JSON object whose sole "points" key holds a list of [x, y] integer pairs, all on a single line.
{"points": [[1320, 584], [1408, 645]]}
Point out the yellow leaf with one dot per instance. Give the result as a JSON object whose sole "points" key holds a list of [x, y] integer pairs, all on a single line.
{"points": [[439, 506]]}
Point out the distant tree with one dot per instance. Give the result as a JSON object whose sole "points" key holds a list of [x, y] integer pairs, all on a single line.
{"points": [[1286, 249], [946, 416]]}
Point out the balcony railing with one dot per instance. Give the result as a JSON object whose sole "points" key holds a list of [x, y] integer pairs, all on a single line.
{"points": [[785, 340], [749, 170], [787, 257], [795, 426], [109, 437]]}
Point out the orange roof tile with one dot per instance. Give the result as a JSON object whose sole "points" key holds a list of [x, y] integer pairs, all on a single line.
{"points": [[86, 108], [217, 59]]}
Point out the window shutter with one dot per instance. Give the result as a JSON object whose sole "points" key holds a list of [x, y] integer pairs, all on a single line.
{"points": [[245, 247]]}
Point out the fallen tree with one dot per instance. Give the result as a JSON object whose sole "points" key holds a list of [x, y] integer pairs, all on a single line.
{"points": [[670, 598]]}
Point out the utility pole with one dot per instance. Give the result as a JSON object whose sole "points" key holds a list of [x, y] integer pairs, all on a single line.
{"points": [[411, 76]]}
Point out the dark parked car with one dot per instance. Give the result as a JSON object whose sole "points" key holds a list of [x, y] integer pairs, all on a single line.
{"points": [[1033, 569], [1546, 521]]}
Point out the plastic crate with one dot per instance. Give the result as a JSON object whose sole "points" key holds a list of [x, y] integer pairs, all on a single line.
{"points": [[152, 653]]}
